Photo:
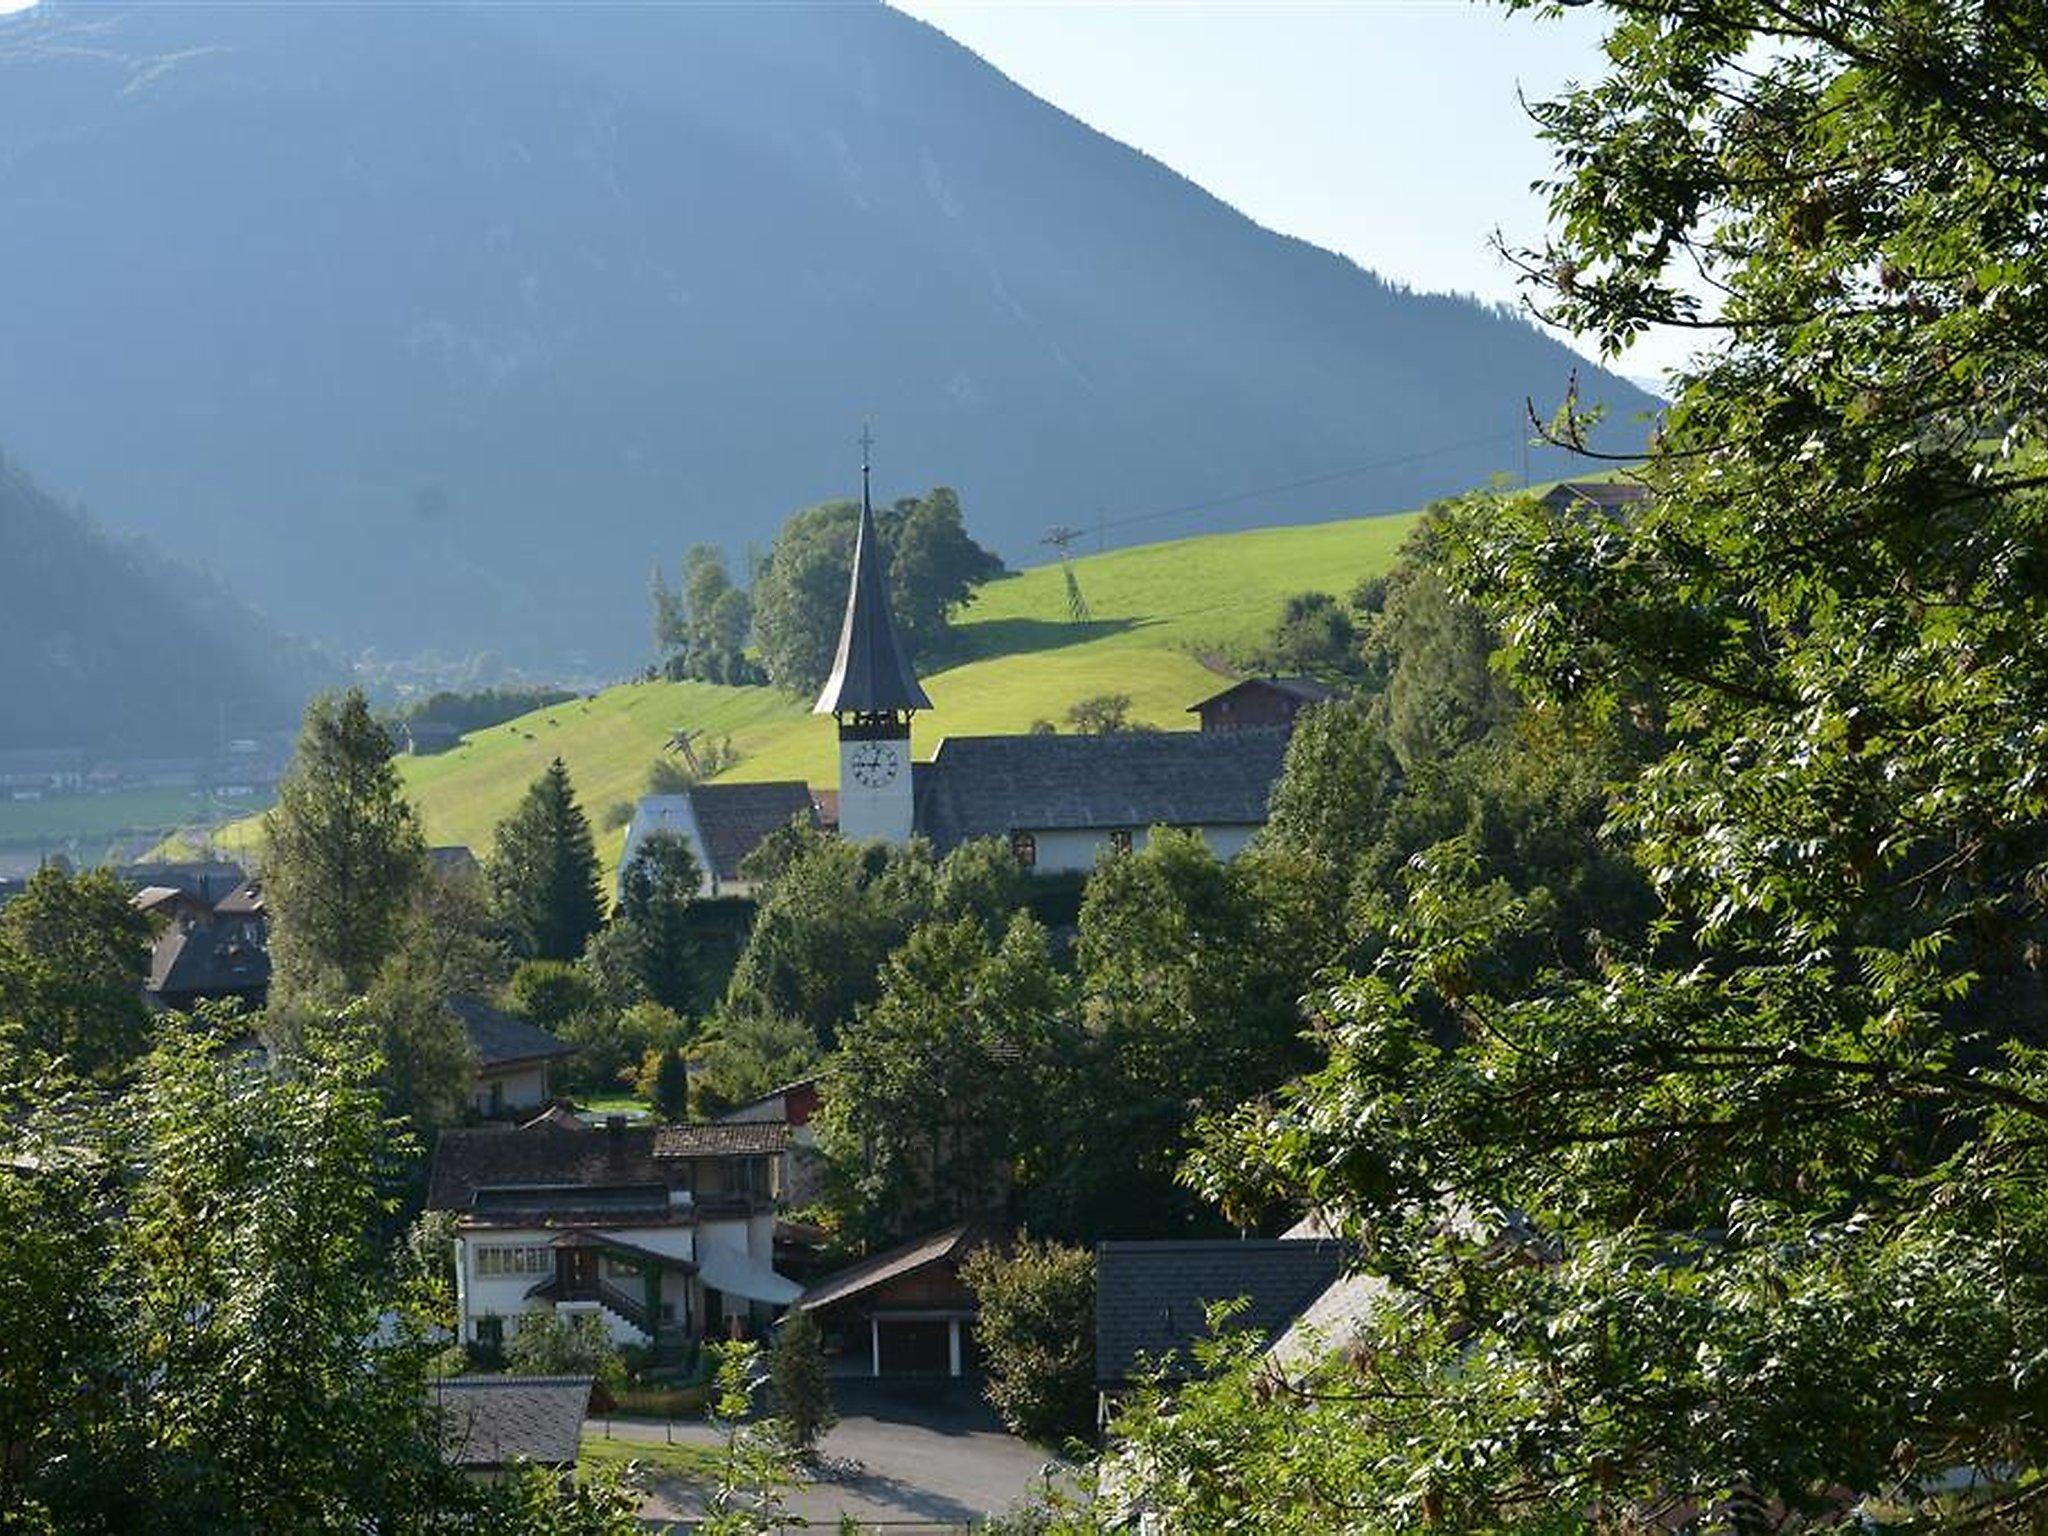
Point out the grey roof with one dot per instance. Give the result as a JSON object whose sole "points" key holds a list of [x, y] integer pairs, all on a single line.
{"points": [[558, 1168], [493, 1421], [500, 1039], [210, 879], [1153, 1298], [738, 1138], [1307, 689], [990, 786], [871, 674], [223, 957], [734, 818], [1605, 494], [950, 1244]]}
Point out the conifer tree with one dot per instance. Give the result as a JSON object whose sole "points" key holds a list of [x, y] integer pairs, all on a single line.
{"points": [[344, 852], [543, 871]]}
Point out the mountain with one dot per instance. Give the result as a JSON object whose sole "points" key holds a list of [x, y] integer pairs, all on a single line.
{"points": [[112, 649], [434, 325]]}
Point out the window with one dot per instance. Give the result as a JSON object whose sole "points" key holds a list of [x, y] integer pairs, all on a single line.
{"points": [[1120, 840], [490, 1332], [505, 1259], [1025, 847]]}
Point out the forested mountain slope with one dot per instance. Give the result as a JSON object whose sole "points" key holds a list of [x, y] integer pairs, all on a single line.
{"points": [[110, 648], [434, 325]]}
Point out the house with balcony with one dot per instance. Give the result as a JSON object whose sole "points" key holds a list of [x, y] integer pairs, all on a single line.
{"points": [[665, 1233]]}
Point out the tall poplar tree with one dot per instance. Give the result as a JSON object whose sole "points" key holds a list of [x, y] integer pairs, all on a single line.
{"points": [[343, 852], [543, 871]]}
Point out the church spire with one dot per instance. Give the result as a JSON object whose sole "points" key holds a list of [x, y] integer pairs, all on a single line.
{"points": [[871, 676]]}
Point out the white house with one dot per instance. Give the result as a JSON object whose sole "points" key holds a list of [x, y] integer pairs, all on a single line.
{"points": [[661, 1232], [722, 823]]}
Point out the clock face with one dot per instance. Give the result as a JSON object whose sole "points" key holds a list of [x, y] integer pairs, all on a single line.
{"points": [[874, 764]]}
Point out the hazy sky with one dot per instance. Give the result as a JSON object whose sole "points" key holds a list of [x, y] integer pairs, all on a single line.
{"points": [[1389, 130]]}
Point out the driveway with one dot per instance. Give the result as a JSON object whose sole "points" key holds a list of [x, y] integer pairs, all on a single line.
{"points": [[903, 1453]]}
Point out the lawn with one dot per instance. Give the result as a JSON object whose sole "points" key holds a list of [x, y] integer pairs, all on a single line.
{"points": [[696, 1463], [1162, 619]]}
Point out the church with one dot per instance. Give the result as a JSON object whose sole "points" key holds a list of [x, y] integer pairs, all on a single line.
{"points": [[1058, 802]]}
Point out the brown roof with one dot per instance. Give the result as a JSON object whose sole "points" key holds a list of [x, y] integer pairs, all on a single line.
{"points": [[735, 818], [759, 1138], [542, 1154], [953, 1243]]}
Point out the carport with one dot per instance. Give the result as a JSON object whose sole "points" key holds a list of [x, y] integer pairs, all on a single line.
{"points": [[906, 1306]]}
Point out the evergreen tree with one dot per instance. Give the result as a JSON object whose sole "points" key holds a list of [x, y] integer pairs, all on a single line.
{"points": [[670, 1090], [545, 888], [655, 893], [343, 853], [803, 1393]]}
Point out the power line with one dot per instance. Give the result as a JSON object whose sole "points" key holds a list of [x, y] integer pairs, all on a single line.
{"points": [[1293, 485]]}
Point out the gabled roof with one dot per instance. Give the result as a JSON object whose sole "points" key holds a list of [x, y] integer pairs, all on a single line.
{"points": [[871, 674], [210, 958], [1152, 1298], [1603, 494], [991, 786], [493, 1421], [734, 818], [951, 1245], [1307, 689], [755, 1138], [544, 1154], [500, 1039]]}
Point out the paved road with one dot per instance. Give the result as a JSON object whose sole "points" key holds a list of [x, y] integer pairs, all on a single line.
{"points": [[907, 1453]]}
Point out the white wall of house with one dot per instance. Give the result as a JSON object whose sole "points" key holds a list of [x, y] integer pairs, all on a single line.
{"points": [[668, 813], [521, 1087], [1070, 850]]}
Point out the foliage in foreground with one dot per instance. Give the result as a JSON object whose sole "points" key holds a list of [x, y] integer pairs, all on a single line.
{"points": [[189, 1315]]}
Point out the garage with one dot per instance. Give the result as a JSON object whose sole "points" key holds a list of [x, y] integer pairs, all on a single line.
{"points": [[903, 1312]]}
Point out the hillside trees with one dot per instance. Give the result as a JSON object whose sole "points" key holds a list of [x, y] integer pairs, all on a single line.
{"points": [[1774, 1163], [545, 888], [343, 853], [701, 627]]}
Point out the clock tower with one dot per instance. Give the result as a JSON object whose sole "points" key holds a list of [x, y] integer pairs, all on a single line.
{"points": [[872, 693]]}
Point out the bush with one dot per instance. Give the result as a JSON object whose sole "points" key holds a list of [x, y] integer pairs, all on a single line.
{"points": [[803, 1395], [546, 1344], [1037, 1336]]}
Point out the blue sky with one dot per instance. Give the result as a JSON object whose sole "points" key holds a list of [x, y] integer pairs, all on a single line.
{"points": [[1388, 130]]}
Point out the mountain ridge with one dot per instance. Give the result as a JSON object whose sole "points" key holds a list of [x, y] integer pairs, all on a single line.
{"points": [[432, 326]]}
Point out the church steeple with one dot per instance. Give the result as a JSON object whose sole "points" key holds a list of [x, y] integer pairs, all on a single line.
{"points": [[871, 676], [872, 692]]}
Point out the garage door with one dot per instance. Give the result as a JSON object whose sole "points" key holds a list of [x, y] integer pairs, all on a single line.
{"points": [[914, 1348]]}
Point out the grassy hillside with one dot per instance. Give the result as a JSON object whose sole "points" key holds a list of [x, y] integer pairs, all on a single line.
{"points": [[1155, 612]]}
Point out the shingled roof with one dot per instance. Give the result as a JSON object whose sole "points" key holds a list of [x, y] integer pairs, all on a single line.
{"points": [[734, 818], [1605, 495], [740, 1138], [871, 673], [208, 959], [951, 1244], [1153, 1298], [500, 1039], [542, 1154], [991, 786], [493, 1421]]}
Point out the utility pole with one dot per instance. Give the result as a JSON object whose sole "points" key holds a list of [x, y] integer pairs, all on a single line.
{"points": [[1060, 536]]}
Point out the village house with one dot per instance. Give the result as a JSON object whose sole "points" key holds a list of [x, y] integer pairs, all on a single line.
{"points": [[1059, 803], [1260, 702], [206, 950], [802, 1174], [662, 1232], [905, 1311], [513, 1059]]}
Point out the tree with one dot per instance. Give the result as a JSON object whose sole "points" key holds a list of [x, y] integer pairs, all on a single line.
{"points": [[803, 1392], [1775, 1162], [1036, 1334], [934, 567], [1314, 636], [74, 954], [670, 1090], [1101, 714], [543, 871], [655, 892], [547, 1345], [742, 1056], [941, 1092], [343, 853], [702, 628], [823, 927]]}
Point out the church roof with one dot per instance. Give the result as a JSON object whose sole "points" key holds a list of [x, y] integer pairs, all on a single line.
{"points": [[991, 786], [871, 674]]}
